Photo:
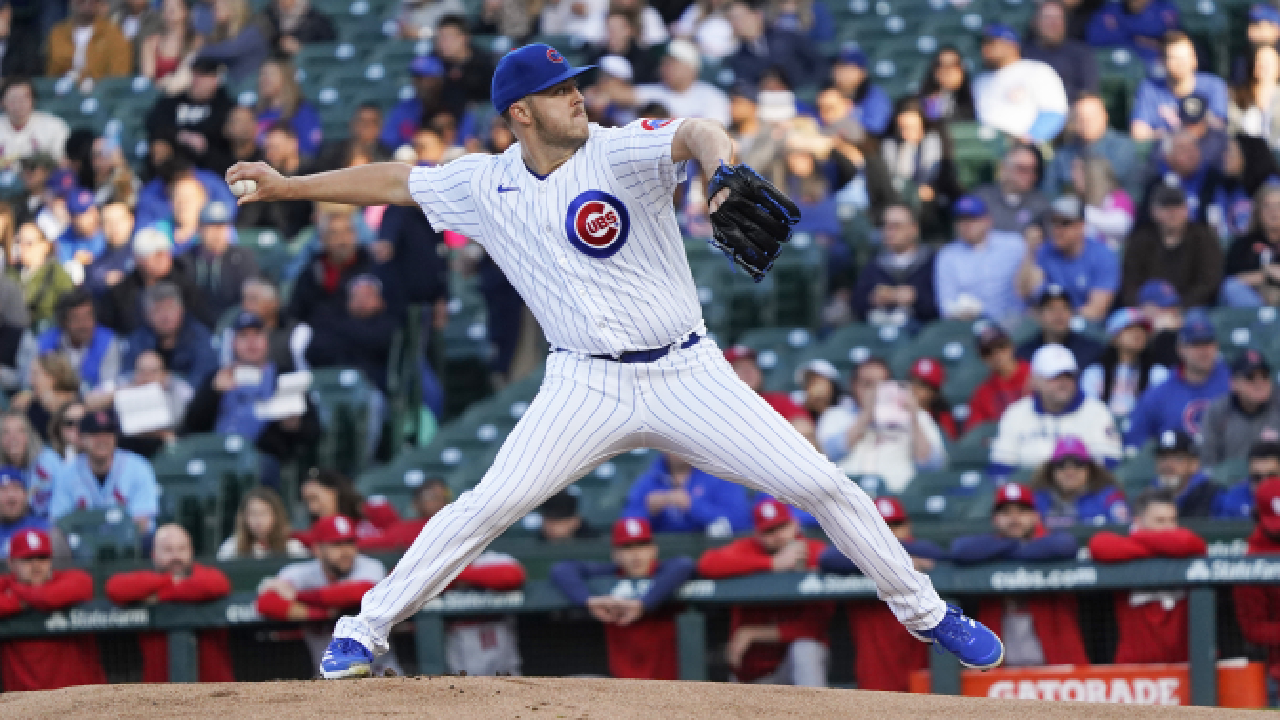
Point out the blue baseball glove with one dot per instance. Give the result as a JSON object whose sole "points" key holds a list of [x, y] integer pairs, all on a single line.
{"points": [[753, 223]]}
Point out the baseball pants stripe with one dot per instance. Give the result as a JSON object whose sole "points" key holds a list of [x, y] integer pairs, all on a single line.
{"points": [[690, 403]]}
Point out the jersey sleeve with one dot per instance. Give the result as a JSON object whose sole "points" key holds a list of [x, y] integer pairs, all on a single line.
{"points": [[639, 155], [444, 194]]}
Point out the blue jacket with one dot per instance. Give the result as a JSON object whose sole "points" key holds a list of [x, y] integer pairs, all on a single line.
{"points": [[1201, 498], [1113, 26], [51, 340], [794, 54], [112, 258], [1175, 404], [712, 499], [1098, 508], [406, 117], [571, 577], [874, 111], [833, 561], [1236, 502], [155, 206], [26, 522], [193, 355], [305, 122], [990, 547], [69, 244]]}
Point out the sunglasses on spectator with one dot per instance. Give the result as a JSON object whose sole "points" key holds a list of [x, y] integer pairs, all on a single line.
{"points": [[1064, 222], [1071, 463]]}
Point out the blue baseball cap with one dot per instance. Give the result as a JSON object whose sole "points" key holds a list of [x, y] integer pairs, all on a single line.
{"points": [[527, 70], [426, 65], [1125, 318], [969, 206], [215, 212], [1197, 329], [78, 201], [11, 474], [853, 56], [1264, 13], [62, 181], [1160, 293], [1000, 31], [245, 320]]}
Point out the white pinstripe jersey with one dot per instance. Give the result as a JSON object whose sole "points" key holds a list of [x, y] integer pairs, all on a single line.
{"points": [[593, 248]]}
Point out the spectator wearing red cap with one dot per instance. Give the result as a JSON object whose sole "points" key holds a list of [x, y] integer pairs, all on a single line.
{"points": [[925, 381], [639, 625], [177, 578], [882, 430], [1074, 488], [318, 590], [773, 644], [743, 360], [1258, 606], [1153, 625], [483, 646], [1036, 629], [1009, 381], [52, 661], [885, 654]]}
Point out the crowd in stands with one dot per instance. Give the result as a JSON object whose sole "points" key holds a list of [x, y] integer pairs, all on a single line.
{"points": [[1091, 266]]}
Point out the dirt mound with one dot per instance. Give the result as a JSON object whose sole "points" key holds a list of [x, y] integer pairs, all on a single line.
{"points": [[537, 699]]}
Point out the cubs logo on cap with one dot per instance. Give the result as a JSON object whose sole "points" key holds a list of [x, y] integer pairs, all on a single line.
{"points": [[30, 544], [554, 55], [632, 531], [769, 514], [528, 70], [597, 224]]}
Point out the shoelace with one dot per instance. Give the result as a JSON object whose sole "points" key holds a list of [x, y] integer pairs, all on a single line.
{"points": [[345, 646]]}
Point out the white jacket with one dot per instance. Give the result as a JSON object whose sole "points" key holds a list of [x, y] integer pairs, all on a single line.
{"points": [[1027, 435], [885, 452]]}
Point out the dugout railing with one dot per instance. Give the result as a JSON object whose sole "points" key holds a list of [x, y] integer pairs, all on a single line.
{"points": [[1201, 578]]}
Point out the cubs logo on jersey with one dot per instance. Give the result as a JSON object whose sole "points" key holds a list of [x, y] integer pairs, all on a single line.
{"points": [[597, 224], [654, 123]]}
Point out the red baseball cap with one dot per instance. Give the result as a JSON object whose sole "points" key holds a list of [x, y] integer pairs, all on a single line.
{"points": [[738, 352], [891, 509], [769, 514], [28, 544], [334, 529], [632, 531], [1014, 493], [930, 372], [1267, 499]]}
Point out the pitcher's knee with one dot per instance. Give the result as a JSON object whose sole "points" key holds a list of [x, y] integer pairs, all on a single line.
{"points": [[818, 491]]}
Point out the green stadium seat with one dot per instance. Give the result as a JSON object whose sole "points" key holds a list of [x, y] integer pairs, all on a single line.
{"points": [[101, 535], [776, 350], [948, 483], [1136, 473], [1231, 471], [1241, 328], [941, 506], [962, 381], [855, 342], [343, 397], [973, 450]]}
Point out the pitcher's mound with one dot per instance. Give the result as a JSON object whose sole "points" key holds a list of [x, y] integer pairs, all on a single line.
{"points": [[539, 699]]}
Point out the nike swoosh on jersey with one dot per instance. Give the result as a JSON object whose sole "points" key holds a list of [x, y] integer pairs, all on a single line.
{"points": [[507, 189]]}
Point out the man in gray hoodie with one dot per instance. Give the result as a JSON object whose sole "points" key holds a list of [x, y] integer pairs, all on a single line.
{"points": [[1249, 413]]}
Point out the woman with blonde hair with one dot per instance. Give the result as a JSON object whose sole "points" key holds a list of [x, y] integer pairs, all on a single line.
{"points": [[1108, 209], [280, 101], [262, 529], [165, 55], [36, 268], [239, 40], [20, 448], [54, 383]]}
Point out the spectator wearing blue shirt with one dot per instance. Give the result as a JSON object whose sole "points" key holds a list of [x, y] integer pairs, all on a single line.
{"points": [[16, 514], [674, 496], [1179, 403], [1087, 269], [1178, 471], [104, 476], [1238, 500], [83, 240], [976, 274], [408, 115], [1090, 135], [1054, 313], [116, 259], [1138, 25], [155, 201], [184, 342], [761, 49], [1155, 111], [871, 106], [1073, 488], [1019, 533], [280, 100]]}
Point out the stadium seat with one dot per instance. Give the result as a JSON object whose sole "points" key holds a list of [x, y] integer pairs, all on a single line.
{"points": [[973, 450], [101, 535], [855, 342], [1136, 473], [776, 350], [343, 397]]}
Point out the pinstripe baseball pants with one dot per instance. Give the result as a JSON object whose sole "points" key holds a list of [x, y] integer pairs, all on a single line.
{"points": [[690, 403]]}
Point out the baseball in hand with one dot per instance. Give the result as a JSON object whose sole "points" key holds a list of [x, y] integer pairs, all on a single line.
{"points": [[240, 188]]}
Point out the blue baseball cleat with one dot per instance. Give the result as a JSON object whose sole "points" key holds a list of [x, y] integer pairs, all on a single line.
{"points": [[973, 644], [346, 658]]}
